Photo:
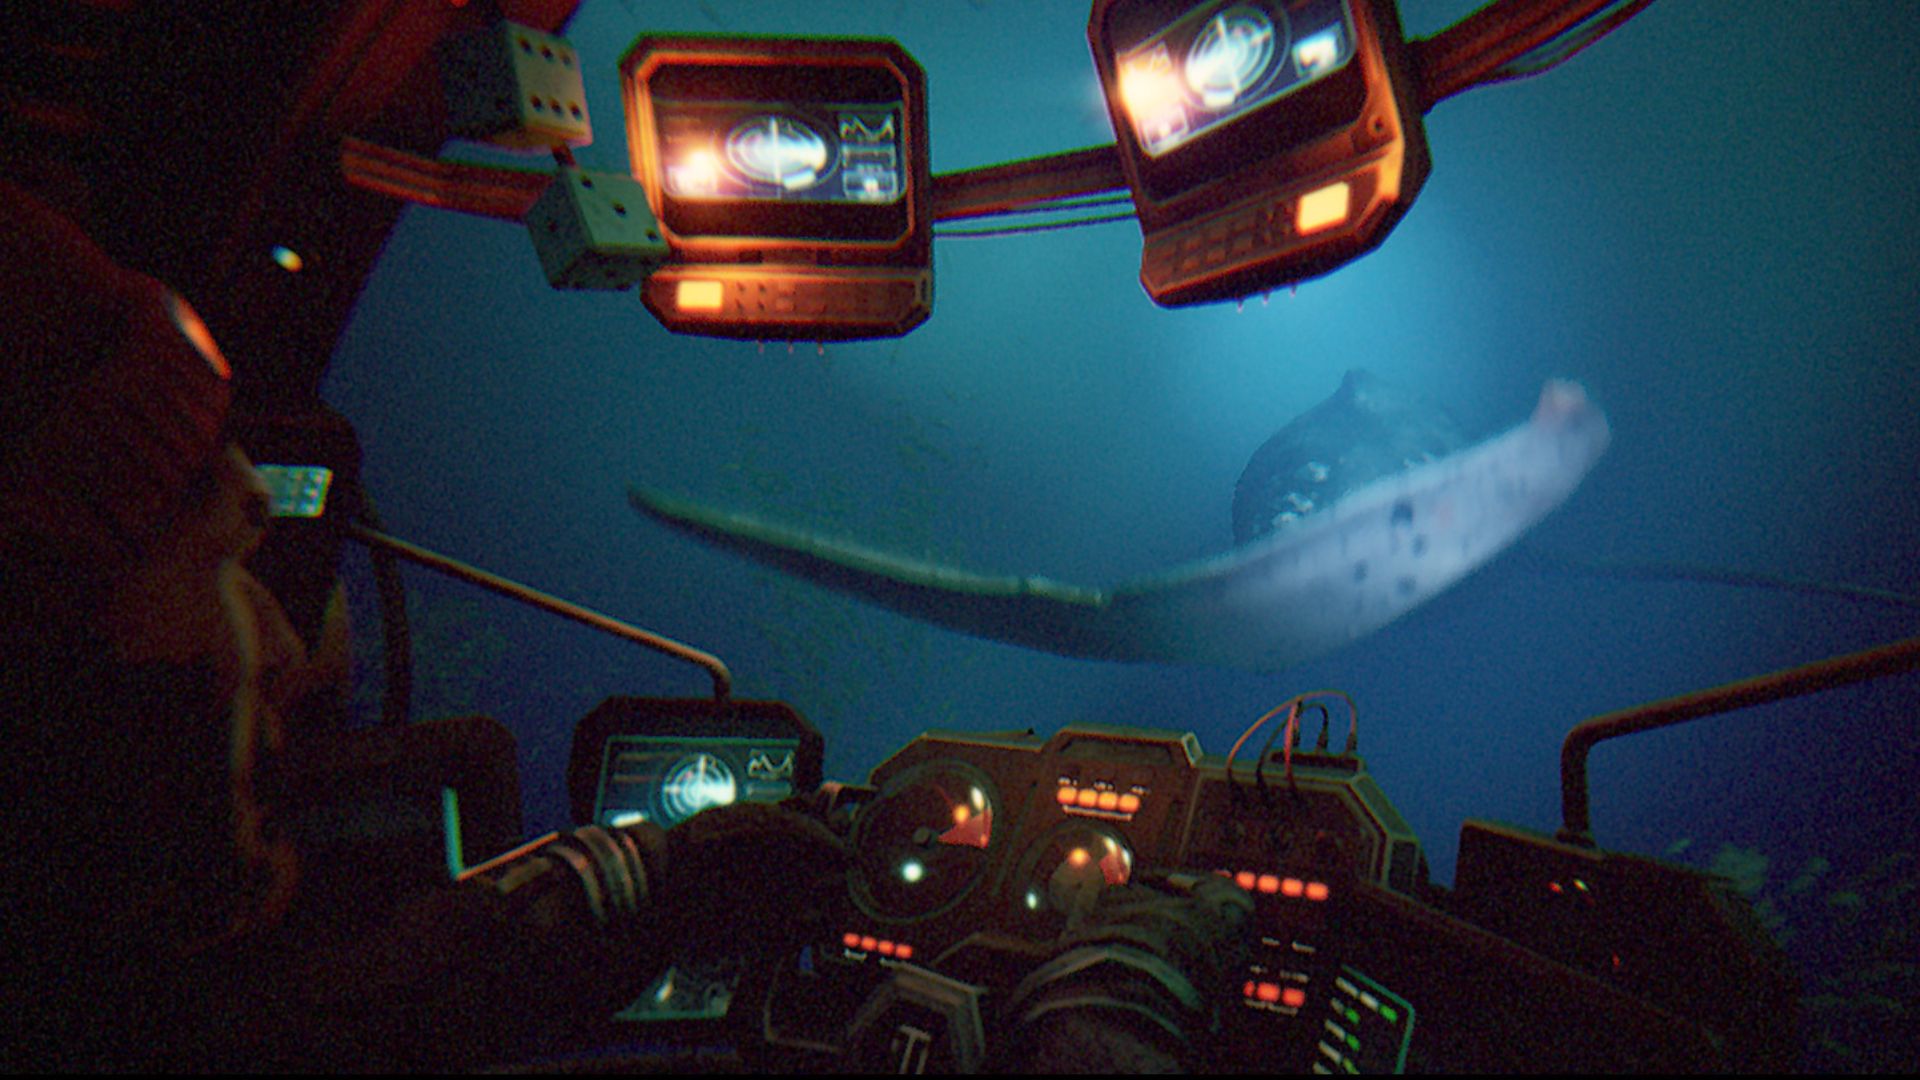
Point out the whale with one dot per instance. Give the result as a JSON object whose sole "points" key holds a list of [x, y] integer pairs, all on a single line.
{"points": [[1352, 515]]}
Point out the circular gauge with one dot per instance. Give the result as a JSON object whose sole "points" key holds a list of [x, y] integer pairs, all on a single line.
{"points": [[1065, 873], [923, 843], [1231, 54], [777, 150], [694, 783]]}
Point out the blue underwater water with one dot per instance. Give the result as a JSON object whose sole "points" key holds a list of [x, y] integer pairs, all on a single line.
{"points": [[1708, 219]]}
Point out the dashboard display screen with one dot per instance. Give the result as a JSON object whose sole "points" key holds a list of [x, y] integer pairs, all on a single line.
{"points": [[666, 780], [297, 490], [1219, 61], [818, 153]]}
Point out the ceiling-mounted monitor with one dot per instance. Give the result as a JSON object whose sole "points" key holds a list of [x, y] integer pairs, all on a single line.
{"points": [[1265, 141], [790, 178]]}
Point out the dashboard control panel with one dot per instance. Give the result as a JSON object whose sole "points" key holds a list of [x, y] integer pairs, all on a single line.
{"points": [[974, 852]]}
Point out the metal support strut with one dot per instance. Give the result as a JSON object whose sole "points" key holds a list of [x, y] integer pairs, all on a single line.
{"points": [[1829, 674], [722, 678]]}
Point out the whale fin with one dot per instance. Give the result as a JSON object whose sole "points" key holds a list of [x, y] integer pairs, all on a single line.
{"points": [[1294, 594]]}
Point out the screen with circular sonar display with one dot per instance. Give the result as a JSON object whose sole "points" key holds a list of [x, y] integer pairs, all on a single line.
{"points": [[818, 153], [1216, 62], [668, 780]]}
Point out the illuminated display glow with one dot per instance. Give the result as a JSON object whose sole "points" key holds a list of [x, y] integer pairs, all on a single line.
{"points": [[298, 491], [1231, 55], [697, 782], [823, 153], [667, 780], [1232, 58]]}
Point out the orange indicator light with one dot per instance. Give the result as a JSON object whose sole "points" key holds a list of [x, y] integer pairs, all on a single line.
{"points": [[1089, 798], [850, 940], [1268, 992], [1149, 88], [1109, 800], [868, 944], [886, 948], [1293, 996], [1129, 803], [904, 952], [195, 330], [961, 813], [1244, 879], [1269, 884], [1247, 990], [1067, 794], [699, 295], [1292, 886], [1322, 209], [1316, 890], [1078, 857]]}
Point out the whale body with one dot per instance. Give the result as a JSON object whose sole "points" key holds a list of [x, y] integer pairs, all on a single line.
{"points": [[1299, 588]]}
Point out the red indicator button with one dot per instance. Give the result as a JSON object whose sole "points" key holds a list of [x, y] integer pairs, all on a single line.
{"points": [[886, 948], [1269, 884], [1292, 886], [869, 944], [1244, 879], [904, 952], [1316, 890], [851, 941], [1268, 992], [1293, 997]]}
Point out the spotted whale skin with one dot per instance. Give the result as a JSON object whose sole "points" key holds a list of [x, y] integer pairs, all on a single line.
{"points": [[1298, 591]]}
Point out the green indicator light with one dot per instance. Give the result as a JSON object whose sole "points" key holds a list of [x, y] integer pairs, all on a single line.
{"points": [[1389, 1013], [1347, 1064], [1353, 1042], [1353, 1016]]}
